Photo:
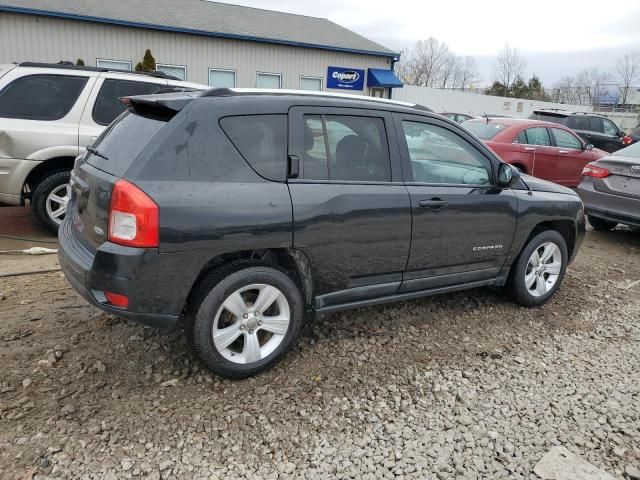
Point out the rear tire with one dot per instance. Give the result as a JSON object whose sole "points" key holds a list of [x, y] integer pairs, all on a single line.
{"points": [[600, 224], [539, 270], [268, 313], [49, 200]]}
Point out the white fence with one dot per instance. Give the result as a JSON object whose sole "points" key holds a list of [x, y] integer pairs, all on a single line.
{"points": [[474, 103]]}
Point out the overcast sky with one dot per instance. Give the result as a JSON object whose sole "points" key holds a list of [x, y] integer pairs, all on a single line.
{"points": [[558, 37]]}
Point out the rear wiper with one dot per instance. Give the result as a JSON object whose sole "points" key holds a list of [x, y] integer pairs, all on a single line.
{"points": [[95, 152]]}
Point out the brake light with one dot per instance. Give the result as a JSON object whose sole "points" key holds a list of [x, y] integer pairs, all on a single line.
{"points": [[133, 217], [627, 140], [116, 299], [590, 170]]}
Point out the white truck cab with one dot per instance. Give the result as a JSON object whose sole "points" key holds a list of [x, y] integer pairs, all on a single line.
{"points": [[48, 114]]}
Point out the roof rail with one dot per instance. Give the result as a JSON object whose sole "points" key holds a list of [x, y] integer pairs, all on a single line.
{"points": [[66, 65], [230, 92]]}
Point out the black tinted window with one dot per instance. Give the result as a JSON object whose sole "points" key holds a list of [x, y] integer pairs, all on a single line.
{"points": [[595, 124], [548, 118], [40, 97], [108, 105], [578, 123], [262, 141], [345, 147], [440, 156], [123, 141]]}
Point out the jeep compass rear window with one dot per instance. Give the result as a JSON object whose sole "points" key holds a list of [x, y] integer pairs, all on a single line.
{"points": [[123, 141], [40, 97], [484, 130], [262, 141]]}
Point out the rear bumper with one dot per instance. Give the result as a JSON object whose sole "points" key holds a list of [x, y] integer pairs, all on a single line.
{"points": [[615, 208], [118, 269], [13, 173]]}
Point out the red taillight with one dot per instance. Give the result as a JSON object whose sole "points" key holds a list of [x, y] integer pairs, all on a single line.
{"points": [[133, 217], [116, 299], [627, 140], [590, 170]]}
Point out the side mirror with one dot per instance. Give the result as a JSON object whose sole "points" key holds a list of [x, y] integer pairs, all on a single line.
{"points": [[508, 175], [588, 147]]}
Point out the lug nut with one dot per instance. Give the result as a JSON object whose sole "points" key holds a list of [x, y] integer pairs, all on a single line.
{"points": [[250, 331], [260, 323], [246, 315], [241, 327]]}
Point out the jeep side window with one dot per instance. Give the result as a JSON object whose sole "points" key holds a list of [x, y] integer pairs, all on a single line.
{"points": [[345, 147], [609, 127], [578, 122], [440, 156], [595, 124], [262, 141], [108, 105], [538, 136], [41, 97]]}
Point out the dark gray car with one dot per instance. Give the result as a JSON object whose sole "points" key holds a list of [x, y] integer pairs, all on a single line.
{"points": [[610, 189]]}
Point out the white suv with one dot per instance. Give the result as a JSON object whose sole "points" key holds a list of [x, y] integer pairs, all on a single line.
{"points": [[48, 114]]}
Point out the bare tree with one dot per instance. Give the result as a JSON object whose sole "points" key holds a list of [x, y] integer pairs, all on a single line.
{"points": [[591, 85], [449, 70], [510, 64], [468, 73], [566, 92], [627, 72], [427, 61]]}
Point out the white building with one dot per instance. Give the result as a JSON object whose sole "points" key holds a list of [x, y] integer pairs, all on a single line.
{"points": [[200, 41]]}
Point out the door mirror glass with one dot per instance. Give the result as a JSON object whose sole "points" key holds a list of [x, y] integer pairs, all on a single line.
{"points": [[508, 175], [589, 147]]}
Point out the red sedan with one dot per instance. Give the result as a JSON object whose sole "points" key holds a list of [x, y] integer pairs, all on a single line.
{"points": [[542, 149]]}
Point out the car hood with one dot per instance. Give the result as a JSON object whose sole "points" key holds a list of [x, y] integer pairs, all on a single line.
{"points": [[539, 185]]}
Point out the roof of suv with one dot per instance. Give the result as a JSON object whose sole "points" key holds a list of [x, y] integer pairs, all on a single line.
{"points": [[176, 101], [558, 112], [71, 66]]}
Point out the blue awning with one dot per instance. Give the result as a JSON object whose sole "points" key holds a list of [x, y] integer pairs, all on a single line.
{"points": [[378, 77]]}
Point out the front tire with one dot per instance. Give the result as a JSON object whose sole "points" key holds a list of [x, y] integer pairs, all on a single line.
{"points": [[49, 200], [600, 224], [244, 321], [539, 270]]}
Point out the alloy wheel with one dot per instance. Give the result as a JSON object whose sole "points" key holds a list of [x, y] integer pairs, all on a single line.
{"points": [[56, 203], [251, 323], [543, 269]]}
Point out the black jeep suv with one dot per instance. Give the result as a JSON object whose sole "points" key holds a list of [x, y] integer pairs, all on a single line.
{"points": [[243, 212], [595, 129]]}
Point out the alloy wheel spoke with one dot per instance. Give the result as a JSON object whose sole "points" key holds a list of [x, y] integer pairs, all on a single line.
{"points": [[535, 259], [548, 252], [226, 336], [251, 350], [58, 199], [235, 304], [59, 212], [266, 297], [530, 278], [553, 268], [277, 325], [541, 286]]}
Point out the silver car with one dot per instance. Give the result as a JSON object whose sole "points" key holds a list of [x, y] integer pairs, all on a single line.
{"points": [[610, 189]]}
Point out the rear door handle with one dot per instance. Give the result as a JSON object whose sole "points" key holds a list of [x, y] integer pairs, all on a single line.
{"points": [[434, 203], [564, 152], [529, 149]]}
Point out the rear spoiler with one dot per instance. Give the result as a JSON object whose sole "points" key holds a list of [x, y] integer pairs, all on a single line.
{"points": [[164, 103]]}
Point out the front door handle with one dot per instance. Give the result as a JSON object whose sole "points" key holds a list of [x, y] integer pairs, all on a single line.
{"points": [[529, 149], [563, 152], [434, 203]]}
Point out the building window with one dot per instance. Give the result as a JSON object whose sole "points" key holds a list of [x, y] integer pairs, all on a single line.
{"points": [[221, 78], [113, 64], [311, 83], [178, 71], [268, 80]]}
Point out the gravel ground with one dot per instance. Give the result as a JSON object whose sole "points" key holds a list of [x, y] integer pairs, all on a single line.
{"points": [[458, 386]]}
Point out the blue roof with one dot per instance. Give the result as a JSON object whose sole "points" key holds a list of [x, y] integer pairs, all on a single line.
{"points": [[378, 77]]}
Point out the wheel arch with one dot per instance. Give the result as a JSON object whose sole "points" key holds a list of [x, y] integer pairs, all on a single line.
{"points": [[566, 228], [291, 261], [40, 171]]}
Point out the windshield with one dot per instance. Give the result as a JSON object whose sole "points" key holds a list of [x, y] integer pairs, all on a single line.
{"points": [[630, 151], [482, 129], [122, 142]]}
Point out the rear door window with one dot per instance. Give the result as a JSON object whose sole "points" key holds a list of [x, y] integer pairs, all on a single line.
{"points": [[41, 97], [609, 127], [108, 105], [538, 136], [262, 141], [578, 123], [346, 148], [123, 141], [595, 124]]}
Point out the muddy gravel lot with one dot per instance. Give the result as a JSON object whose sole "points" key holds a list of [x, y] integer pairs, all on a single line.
{"points": [[458, 386]]}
